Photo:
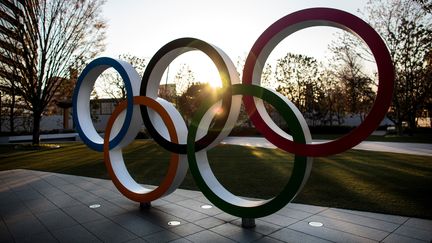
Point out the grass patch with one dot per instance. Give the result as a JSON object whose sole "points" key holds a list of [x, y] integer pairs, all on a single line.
{"points": [[416, 138], [361, 180], [42, 146]]}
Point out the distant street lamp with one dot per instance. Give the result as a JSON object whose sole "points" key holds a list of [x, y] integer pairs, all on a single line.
{"points": [[65, 105]]}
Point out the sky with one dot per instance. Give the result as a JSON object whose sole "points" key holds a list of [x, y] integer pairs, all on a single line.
{"points": [[142, 27]]}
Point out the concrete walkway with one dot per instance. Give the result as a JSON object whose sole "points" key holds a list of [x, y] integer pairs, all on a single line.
{"points": [[391, 147], [404, 148], [48, 207]]}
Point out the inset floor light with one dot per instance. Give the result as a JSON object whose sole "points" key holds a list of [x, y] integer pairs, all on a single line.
{"points": [[316, 224], [174, 223], [95, 206], [206, 206]]}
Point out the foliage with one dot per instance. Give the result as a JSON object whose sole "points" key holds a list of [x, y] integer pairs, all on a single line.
{"points": [[267, 78], [296, 75], [193, 97], [358, 94], [331, 106], [314, 89], [406, 26]]}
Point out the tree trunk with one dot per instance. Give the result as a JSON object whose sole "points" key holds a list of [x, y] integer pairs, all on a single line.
{"points": [[399, 128], [429, 114], [36, 128], [12, 113], [412, 125]]}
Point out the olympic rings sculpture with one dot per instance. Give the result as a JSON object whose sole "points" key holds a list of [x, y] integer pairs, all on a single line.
{"points": [[189, 147]]}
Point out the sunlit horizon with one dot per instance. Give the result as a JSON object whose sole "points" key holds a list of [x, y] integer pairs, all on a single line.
{"points": [[141, 28]]}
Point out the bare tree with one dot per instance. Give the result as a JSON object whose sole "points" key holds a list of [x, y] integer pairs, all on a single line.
{"points": [[184, 78], [112, 84], [406, 26], [426, 5], [331, 105], [267, 80], [347, 66], [44, 41]]}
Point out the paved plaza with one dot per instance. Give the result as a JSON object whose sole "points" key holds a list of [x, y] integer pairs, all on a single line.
{"points": [[47, 207]]}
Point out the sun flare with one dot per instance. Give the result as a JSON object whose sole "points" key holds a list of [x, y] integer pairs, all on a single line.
{"points": [[214, 83]]}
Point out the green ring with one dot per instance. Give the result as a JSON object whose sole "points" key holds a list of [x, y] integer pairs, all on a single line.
{"points": [[299, 172]]}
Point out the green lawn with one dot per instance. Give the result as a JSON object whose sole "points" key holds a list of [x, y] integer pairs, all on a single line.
{"points": [[362, 180], [416, 138]]}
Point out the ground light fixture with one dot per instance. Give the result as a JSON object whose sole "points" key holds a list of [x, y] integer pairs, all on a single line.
{"points": [[174, 223], [94, 206], [315, 224], [206, 206]]}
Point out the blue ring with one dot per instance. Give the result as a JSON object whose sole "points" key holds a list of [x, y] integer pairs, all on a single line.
{"points": [[109, 62]]}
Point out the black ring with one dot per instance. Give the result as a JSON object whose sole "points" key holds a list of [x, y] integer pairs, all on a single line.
{"points": [[174, 49]]}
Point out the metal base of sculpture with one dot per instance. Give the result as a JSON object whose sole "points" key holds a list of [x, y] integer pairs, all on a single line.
{"points": [[248, 223], [145, 205]]}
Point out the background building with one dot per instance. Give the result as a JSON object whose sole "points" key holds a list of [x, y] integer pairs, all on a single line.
{"points": [[12, 106]]}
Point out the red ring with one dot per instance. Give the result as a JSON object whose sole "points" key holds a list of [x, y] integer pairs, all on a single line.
{"points": [[316, 17]]}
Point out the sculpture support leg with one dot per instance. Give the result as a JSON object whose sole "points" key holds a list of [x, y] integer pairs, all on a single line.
{"points": [[248, 223], [145, 205]]}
